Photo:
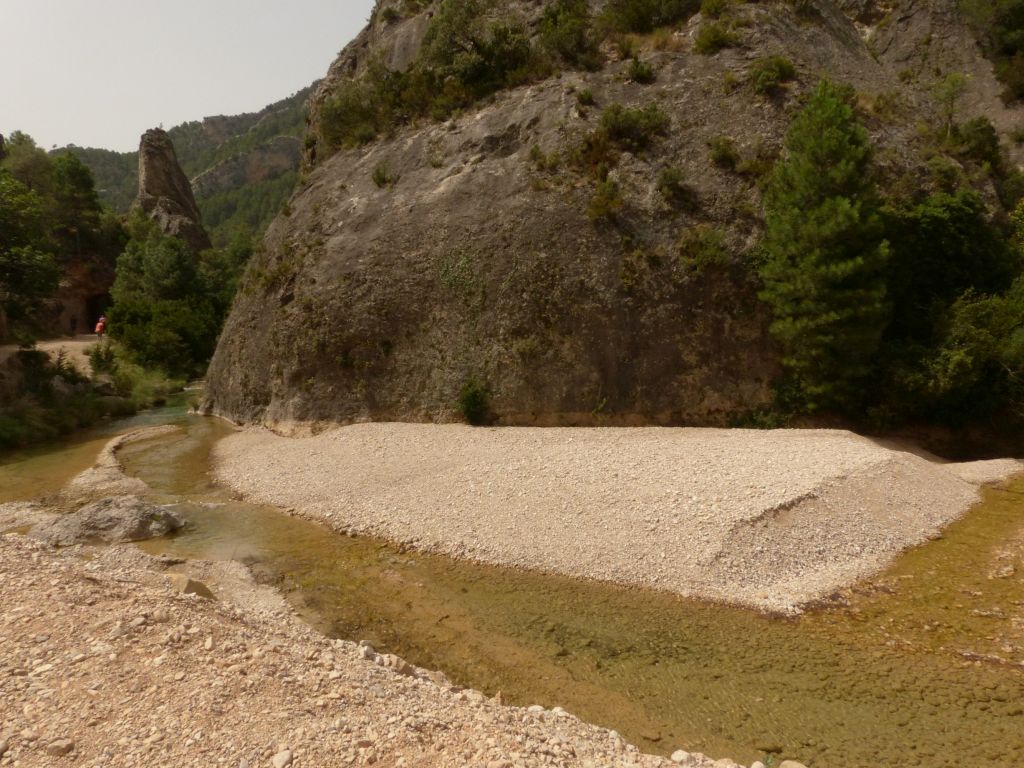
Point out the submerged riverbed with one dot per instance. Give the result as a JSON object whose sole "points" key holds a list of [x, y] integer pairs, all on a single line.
{"points": [[921, 666]]}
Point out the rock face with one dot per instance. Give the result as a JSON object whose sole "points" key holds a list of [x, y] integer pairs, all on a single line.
{"points": [[446, 253], [165, 194], [113, 520]]}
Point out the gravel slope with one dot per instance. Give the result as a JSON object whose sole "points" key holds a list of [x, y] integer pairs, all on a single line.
{"points": [[768, 519]]}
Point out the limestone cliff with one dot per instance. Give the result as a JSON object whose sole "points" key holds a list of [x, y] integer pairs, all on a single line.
{"points": [[165, 194], [461, 251]]}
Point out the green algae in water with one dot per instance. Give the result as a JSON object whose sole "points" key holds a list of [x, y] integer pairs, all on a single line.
{"points": [[46, 469], [916, 668]]}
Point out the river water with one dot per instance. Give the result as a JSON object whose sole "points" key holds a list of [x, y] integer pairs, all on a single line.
{"points": [[922, 666]]}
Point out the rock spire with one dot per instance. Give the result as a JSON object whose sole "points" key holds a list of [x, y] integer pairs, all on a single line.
{"points": [[165, 194]]}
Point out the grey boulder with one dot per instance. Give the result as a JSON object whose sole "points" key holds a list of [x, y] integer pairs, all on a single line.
{"points": [[108, 521]]}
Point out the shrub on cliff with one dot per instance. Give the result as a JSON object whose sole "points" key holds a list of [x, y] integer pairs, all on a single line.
{"points": [[767, 74], [466, 55], [475, 402], [642, 16], [567, 31], [634, 129]]}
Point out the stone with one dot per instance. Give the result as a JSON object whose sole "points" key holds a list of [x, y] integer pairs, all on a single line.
{"points": [[113, 520], [188, 586], [60, 747], [680, 756], [165, 194], [282, 759], [791, 764], [3, 747]]}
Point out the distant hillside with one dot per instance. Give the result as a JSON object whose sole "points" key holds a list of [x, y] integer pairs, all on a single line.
{"points": [[243, 167]]}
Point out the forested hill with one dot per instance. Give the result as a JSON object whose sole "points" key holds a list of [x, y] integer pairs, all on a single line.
{"points": [[243, 167]]}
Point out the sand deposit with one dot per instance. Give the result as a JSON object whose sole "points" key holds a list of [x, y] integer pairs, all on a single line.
{"points": [[768, 519]]}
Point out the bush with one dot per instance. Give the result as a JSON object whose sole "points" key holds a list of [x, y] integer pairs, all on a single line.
{"points": [[702, 247], [1011, 189], [640, 72], [474, 402], [768, 73], [634, 129], [566, 31], [672, 185], [382, 175], [544, 162], [713, 37], [643, 16], [979, 140], [585, 97], [723, 152], [606, 202], [712, 9]]}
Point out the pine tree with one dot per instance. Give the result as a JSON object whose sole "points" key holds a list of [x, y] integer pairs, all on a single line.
{"points": [[825, 257]]}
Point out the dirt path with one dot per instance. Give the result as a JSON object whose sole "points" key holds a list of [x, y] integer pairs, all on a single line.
{"points": [[74, 349]]}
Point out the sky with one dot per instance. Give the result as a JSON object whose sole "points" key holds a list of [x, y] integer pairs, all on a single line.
{"points": [[99, 73]]}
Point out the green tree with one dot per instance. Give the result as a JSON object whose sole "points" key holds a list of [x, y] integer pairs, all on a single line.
{"points": [[947, 93], [824, 253], [28, 271], [169, 305]]}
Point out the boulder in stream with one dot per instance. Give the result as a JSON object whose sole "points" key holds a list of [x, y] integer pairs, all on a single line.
{"points": [[109, 521]]}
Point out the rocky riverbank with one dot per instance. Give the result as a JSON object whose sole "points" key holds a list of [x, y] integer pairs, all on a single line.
{"points": [[110, 657], [104, 662], [767, 519]]}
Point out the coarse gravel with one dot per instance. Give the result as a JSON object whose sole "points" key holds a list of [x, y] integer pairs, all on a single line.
{"points": [[767, 519], [104, 663]]}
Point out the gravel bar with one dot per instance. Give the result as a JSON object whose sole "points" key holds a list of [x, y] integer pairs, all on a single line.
{"points": [[767, 519]]}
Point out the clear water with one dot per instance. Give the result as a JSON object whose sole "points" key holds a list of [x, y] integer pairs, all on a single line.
{"points": [[922, 666]]}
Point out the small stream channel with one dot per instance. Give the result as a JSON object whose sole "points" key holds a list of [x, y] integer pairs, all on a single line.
{"points": [[923, 666]]}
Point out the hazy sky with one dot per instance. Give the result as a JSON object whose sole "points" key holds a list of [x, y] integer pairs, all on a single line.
{"points": [[98, 73]]}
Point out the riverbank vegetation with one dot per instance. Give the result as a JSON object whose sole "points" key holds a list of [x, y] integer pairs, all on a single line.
{"points": [[43, 397], [889, 309], [169, 304], [51, 225]]}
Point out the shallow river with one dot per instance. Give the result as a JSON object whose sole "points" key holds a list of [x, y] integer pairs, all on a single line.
{"points": [[924, 666]]}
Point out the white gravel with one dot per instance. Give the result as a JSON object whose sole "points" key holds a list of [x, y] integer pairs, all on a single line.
{"points": [[768, 519]]}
